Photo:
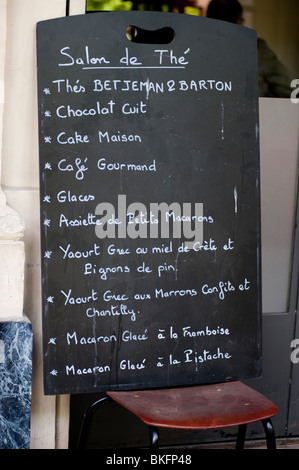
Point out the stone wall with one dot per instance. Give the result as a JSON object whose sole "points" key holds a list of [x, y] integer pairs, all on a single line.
{"points": [[19, 230]]}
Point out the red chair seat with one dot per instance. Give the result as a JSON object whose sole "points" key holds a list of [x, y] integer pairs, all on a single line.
{"points": [[197, 407]]}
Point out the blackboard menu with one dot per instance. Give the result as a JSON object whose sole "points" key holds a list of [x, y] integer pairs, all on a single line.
{"points": [[150, 211]]}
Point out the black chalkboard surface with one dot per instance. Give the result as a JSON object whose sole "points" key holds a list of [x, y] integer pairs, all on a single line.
{"points": [[150, 214]]}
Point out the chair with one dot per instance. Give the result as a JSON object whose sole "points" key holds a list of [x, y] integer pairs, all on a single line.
{"points": [[194, 407]]}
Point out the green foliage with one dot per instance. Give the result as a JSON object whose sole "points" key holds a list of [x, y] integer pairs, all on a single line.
{"points": [[108, 5], [126, 5]]}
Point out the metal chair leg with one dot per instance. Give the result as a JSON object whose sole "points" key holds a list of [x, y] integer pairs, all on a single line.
{"points": [[270, 434], [241, 436], [154, 437], [87, 420]]}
